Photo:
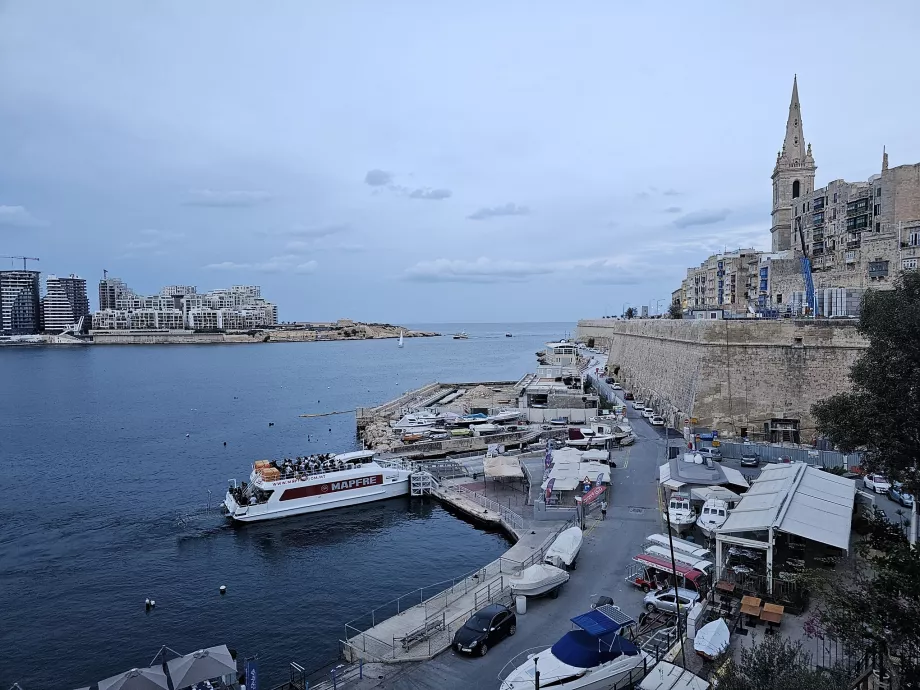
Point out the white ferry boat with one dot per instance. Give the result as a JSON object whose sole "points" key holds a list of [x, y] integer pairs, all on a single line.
{"points": [[296, 486]]}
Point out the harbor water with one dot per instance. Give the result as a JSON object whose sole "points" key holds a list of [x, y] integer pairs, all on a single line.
{"points": [[111, 455]]}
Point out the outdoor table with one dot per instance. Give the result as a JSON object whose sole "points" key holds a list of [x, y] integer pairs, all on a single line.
{"points": [[750, 606], [724, 586], [772, 613]]}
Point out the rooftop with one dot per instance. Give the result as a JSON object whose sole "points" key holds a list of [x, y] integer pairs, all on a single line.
{"points": [[679, 472]]}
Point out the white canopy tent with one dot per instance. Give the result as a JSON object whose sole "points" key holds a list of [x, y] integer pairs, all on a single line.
{"points": [[503, 466], [795, 499]]}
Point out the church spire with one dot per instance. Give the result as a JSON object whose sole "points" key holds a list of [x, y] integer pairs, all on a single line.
{"points": [[794, 143]]}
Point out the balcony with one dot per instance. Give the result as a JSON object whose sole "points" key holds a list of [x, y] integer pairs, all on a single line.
{"points": [[858, 208], [853, 244], [817, 251]]}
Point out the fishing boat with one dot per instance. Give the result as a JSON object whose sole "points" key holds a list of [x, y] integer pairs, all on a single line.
{"points": [[537, 580], [462, 335], [601, 654], [508, 335], [713, 515], [295, 486], [400, 338], [680, 513], [563, 552]]}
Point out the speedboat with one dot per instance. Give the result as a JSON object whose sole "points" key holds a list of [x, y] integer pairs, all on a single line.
{"points": [[461, 336], [508, 335], [417, 419], [564, 550], [598, 655], [579, 437], [506, 416], [680, 514], [559, 421], [713, 515], [467, 419], [301, 485], [538, 579]]}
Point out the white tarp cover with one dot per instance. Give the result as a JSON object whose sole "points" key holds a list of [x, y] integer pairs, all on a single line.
{"points": [[797, 499], [703, 493], [712, 639], [569, 475], [565, 548], [665, 676], [502, 466]]}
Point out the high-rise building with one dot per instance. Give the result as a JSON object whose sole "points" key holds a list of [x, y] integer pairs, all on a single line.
{"points": [[111, 291], [20, 305], [64, 303]]}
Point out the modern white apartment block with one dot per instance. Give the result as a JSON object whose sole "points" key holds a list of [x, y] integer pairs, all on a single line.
{"points": [[182, 307], [65, 303]]}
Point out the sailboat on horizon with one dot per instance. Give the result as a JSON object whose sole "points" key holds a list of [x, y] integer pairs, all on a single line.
{"points": [[400, 338]]}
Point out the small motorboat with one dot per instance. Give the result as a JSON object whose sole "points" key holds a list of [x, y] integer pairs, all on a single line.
{"points": [[508, 335], [537, 580], [713, 515], [564, 550], [461, 336], [712, 639], [600, 654], [627, 440], [680, 514], [559, 421]]}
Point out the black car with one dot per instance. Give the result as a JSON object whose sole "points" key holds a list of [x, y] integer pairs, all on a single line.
{"points": [[484, 629], [749, 460]]}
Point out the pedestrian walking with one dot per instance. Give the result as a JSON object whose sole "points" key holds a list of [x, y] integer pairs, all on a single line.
{"points": [[603, 510]]}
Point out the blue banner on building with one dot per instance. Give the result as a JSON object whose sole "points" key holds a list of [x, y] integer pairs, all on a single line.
{"points": [[252, 674]]}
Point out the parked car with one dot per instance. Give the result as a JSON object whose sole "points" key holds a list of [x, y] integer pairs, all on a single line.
{"points": [[484, 629], [628, 396], [638, 405], [617, 387], [610, 379], [665, 600], [711, 453], [750, 460], [656, 420], [784, 458], [648, 411], [876, 483], [897, 493]]}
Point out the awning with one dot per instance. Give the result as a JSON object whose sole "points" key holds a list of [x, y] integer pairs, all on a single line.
{"points": [[502, 466], [664, 478], [204, 664], [734, 477], [703, 493], [596, 623]]}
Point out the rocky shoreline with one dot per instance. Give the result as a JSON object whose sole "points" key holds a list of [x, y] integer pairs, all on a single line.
{"points": [[350, 330]]}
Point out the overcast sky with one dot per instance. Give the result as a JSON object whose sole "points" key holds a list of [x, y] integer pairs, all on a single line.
{"points": [[429, 161]]}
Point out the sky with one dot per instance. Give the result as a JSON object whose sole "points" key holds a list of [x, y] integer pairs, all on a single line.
{"points": [[419, 162]]}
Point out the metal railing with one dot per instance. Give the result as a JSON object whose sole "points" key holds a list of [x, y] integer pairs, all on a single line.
{"points": [[510, 519], [772, 453]]}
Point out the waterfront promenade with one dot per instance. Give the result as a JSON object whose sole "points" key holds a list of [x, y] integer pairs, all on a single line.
{"points": [[607, 551]]}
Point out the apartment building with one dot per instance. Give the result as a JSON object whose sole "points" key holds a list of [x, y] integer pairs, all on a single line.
{"points": [[20, 302], [65, 303]]}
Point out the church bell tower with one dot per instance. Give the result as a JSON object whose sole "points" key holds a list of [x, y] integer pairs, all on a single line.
{"points": [[793, 176]]}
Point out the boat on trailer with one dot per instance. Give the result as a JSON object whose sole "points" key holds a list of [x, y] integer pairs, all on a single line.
{"points": [[296, 486]]}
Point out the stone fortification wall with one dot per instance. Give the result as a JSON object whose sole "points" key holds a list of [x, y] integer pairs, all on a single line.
{"points": [[730, 374]]}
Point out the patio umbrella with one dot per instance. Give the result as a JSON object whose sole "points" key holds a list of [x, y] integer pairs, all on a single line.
{"points": [[201, 665], [152, 678]]}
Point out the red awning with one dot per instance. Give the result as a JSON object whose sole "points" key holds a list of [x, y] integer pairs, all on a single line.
{"points": [[662, 564]]}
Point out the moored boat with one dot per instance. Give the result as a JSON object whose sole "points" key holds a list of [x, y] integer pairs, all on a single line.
{"points": [[538, 579], [311, 484], [461, 336], [680, 514], [563, 552], [713, 515]]}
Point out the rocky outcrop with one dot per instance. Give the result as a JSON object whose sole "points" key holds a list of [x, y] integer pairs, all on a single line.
{"points": [[346, 330]]}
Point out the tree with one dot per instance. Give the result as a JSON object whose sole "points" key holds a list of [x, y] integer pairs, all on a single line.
{"points": [[775, 663], [630, 313], [675, 312], [881, 414]]}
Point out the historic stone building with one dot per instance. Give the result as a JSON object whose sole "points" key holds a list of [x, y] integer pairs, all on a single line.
{"points": [[856, 235]]}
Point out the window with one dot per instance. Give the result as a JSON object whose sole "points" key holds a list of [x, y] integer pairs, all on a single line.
{"points": [[795, 189], [909, 265], [779, 297], [914, 239], [850, 256], [835, 197], [878, 269], [876, 211], [878, 226], [878, 192]]}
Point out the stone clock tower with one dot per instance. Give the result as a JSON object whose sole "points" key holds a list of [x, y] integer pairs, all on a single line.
{"points": [[793, 176]]}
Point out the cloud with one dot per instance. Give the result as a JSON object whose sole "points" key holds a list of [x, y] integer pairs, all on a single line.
{"points": [[149, 242], [673, 209], [508, 209], [287, 263], [707, 217], [642, 195], [428, 193], [606, 273], [481, 270], [315, 231], [18, 217], [671, 192], [323, 243], [378, 178], [231, 198]]}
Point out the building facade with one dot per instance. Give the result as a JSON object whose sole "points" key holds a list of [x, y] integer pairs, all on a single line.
{"points": [[182, 307], [20, 302], [854, 235], [64, 304]]}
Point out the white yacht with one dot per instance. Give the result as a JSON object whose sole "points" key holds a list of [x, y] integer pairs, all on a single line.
{"points": [[417, 419], [598, 656], [712, 516], [680, 512], [296, 486]]}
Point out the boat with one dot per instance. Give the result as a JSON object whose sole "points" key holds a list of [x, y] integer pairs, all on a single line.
{"points": [[564, 550], [460, 432], [400, 338], [412, 438], [506, 416], [578, 438], [296, 486], [600, 654], [559, 421], [461, 336], [680, 514], [418, 419], [468, 419], [538, 579], [713, 515], [486, 429], [712, 639], [508, 335]]}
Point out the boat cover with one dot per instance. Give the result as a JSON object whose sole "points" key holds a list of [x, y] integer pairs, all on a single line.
{"points": [[712, 639], [581, 649], [565, 548], [597, 623], [537, 575]]}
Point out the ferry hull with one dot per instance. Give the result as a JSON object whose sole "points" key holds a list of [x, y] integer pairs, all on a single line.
{"points": [[262, 512]]}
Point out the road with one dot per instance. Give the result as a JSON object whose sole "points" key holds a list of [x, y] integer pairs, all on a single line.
{"points": [[607, 551]]}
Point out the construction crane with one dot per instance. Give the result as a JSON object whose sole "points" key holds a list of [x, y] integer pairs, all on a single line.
{"points": [[24, 259], [806, 273]]}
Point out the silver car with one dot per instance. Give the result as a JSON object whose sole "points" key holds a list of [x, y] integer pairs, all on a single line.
{"points": [[666, 601], [711, 453]]}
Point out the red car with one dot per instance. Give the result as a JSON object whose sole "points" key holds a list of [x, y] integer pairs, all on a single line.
{"points": [[628, 396]]}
